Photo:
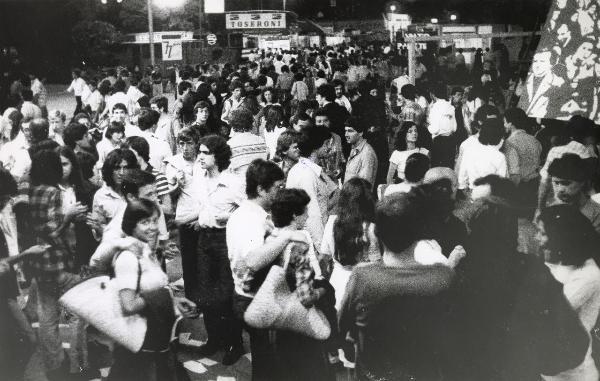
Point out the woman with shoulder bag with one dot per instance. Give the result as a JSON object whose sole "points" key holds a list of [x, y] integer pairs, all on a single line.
{"points": [[305, 276], [142, 290]]}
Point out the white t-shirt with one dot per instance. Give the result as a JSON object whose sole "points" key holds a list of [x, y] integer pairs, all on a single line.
{"points": [[247, 228], [398, 188], [399, 159], [271, 140], [152, 277], [479, 161]]}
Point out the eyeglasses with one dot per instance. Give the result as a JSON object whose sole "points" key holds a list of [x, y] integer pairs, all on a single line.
{"points": [[184, 144]]}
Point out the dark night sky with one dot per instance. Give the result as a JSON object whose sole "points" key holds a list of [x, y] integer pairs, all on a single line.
{"points": [[41, 28]]}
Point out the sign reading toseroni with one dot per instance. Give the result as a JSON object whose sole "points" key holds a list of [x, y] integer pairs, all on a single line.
{"points": [[255, 20]]}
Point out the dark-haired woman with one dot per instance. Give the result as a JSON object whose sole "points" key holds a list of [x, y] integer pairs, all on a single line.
{"points": [[349, 236], [569, 242], [409, 140], [75, 190], [221, 192], [271, 127], [113, 137], [141, 283], [266, 99], [108, 199]]}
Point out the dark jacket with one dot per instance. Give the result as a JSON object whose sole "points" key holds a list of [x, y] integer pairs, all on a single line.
{"points": [[514, 321]]}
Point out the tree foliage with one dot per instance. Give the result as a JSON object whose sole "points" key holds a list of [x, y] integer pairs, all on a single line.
{"points": [[94, 42], [133, 16]]}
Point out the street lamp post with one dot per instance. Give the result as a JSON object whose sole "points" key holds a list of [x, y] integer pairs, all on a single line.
{"points": [[151, 32]]}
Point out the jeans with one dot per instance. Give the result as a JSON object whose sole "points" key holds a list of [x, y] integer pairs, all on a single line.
{"points": [[48, 293], [215, 288], [79, 105], [188, 244]]}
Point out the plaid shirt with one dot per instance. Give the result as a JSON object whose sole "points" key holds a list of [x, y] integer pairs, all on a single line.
{"points": [[45, 203]]}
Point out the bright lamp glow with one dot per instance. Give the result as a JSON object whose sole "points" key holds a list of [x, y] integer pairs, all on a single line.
{"points": [[103, 1], [393, 8], [169, 3], [453, 17], [434, 20]]}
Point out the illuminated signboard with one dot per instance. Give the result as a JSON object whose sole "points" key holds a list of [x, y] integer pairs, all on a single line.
{"points": [[255, 20]]}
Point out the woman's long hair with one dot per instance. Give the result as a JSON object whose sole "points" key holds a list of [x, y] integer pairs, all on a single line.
{"points": [[273, 117], [356, 206], [84, 190]]}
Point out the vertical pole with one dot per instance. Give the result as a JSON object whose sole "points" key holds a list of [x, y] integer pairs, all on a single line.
{"points": [[284, 1], [412, 48], [200, 17], [151, 32]]}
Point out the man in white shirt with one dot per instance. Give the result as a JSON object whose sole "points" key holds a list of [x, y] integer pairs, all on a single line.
{"points": [[442, 126], [527, 152], [119, 114], [159, 149], [40, 93], [77, 87], [484, 158], [14, 155], [29, 109], [397, 84], [340, 98], [133, 95], [164, 129], [94, 99], [483, 113], [278, 64], [118, 96], [442, 119], [247, 228]]}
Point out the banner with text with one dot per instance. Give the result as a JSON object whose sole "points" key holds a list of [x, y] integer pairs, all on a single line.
{"points": [[255, 20]]}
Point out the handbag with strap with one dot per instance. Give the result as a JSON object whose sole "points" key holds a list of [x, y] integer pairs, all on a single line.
{"points": [[96, 300], [276, 307]]}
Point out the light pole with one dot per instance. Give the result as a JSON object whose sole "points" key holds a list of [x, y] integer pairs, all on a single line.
{"points": [[392, 29], [151, 32]]}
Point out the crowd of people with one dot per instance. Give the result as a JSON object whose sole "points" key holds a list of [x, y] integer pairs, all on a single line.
{"points": [[320, 202]]}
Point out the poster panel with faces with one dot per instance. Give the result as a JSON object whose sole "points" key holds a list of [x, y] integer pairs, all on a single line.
{"points": [[564, 76]]}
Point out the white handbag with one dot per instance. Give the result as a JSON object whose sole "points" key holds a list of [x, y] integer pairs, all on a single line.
{"points": [[276, 307], [97, 301]]}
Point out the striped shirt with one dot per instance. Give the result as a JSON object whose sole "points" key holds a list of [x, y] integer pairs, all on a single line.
{"points": [[245, 148]]}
